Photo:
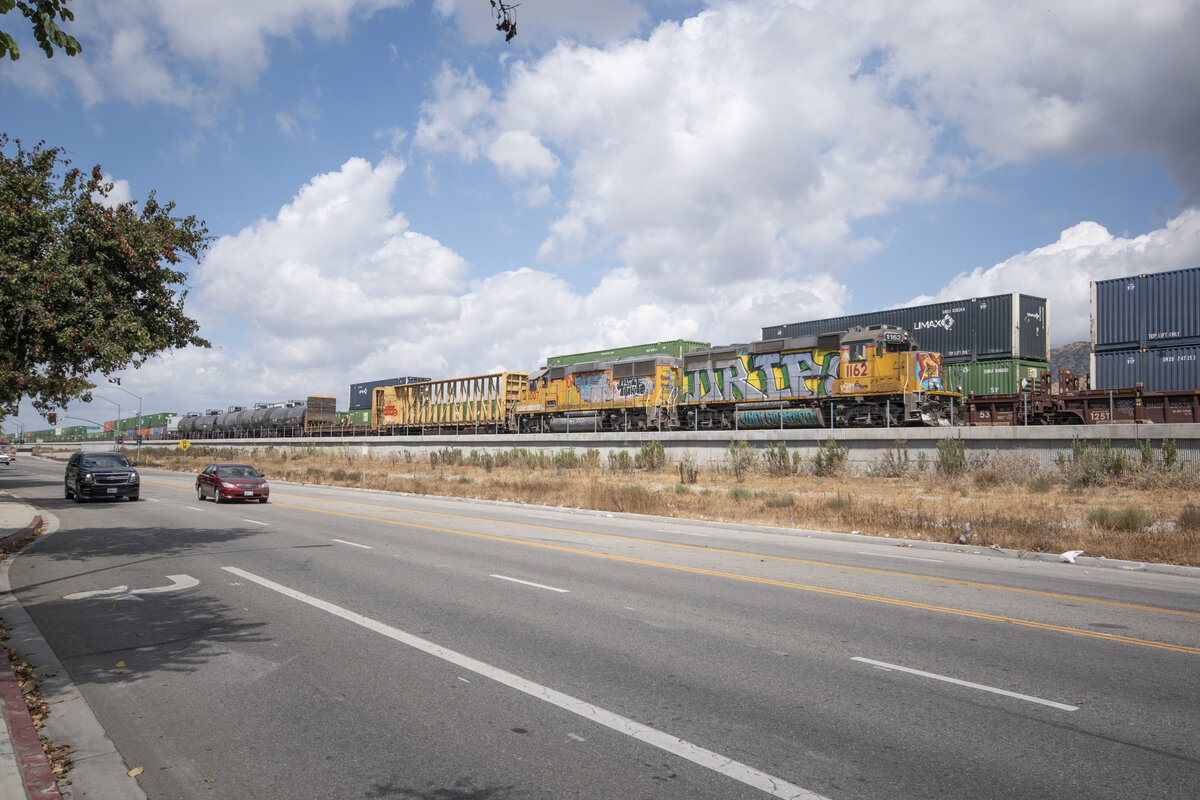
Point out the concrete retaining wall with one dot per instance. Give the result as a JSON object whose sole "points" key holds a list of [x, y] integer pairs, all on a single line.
{"points": [[864, 447]]}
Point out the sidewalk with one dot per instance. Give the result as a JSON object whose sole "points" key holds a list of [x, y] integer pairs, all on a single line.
{"points": [[24, 770]]}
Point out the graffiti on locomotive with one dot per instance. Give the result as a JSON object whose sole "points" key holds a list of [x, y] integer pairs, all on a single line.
{"points": [[766, 376]]}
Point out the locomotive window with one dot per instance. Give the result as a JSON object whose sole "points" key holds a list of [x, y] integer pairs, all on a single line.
{"points": [[858, 352]]}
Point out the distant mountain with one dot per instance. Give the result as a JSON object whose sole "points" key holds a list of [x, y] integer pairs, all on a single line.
{"points": [[1074, 358]]}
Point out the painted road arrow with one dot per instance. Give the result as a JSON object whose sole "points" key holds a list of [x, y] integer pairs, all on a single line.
{"points": [[178, 582]]}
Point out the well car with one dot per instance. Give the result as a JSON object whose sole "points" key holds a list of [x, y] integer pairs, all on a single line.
{"points": [[94, 475], [227, 481]]}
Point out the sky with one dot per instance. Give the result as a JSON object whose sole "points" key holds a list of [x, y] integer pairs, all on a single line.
{"points": [[392, 189]]}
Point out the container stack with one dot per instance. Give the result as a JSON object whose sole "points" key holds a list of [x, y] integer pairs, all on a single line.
{"points": [[989, 345], [1146, 329]]}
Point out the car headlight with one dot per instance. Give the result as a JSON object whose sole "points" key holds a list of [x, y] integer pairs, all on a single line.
{"points": [[87, 476], [228, 485], [133, 477]]}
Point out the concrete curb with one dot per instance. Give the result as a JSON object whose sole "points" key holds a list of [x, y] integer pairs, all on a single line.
{"points": [[36, 776], [28, 530]]}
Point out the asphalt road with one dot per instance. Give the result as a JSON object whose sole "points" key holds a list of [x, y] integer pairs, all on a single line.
{"points": [[343, 644]]}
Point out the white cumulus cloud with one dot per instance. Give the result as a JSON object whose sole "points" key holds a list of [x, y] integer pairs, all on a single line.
{"points": [[1062, 271]]}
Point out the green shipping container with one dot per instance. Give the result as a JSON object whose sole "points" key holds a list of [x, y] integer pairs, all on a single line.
{"points": [[675, 347], [994, 377], [157, 420]]}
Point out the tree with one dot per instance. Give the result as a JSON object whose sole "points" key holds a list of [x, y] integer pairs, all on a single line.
{"points": [[47, 32], [506, 19], [86, 286]]}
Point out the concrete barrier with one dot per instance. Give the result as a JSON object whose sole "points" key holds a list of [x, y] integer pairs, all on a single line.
{"points": [[863, 446]]}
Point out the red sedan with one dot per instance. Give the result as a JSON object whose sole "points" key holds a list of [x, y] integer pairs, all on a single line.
{"points": [[224, 482]]}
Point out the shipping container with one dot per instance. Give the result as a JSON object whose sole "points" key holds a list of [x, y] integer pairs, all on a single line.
{"points": [[157, 420], [1149, 310], [674, 348], [1002, 326], [359, 416], [361, 394], [1158, 369], [1006, 376]]}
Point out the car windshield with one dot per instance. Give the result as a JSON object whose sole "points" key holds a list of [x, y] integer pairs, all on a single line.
{"points": [[240, 471], [105, 460]]}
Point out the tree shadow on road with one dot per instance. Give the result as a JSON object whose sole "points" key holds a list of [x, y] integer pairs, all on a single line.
{"points": [[127, 636]]}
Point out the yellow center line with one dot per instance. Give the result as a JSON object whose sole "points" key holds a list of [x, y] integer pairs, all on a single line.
{"points": [[783, 559], [750, 578]]}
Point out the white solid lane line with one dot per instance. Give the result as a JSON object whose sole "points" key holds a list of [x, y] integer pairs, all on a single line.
{"points": [[352, 544], [530, 583], [776, 787], [892, 555], [1027, 698]]}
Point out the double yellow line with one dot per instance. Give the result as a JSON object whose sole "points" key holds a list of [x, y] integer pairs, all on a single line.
{"points": [[770, 581]]}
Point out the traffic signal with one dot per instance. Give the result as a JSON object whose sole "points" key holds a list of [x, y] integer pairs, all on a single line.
{"points": [[53, 418], [120, 439]]}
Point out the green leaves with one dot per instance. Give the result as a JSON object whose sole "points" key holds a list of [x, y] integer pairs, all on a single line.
{"points": [[42, 14], [86, 286]]}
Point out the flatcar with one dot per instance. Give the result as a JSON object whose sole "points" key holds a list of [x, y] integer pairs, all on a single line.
{"points": [[1042, 403]]}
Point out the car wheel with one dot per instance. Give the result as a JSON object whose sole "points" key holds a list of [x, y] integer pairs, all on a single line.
{"points": [[199, 493], [216, 495], [133, 498], [262, 499], [67, 492], [78, 497]]}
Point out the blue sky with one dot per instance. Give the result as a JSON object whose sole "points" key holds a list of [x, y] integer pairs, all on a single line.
{"points": [[394, 190]]}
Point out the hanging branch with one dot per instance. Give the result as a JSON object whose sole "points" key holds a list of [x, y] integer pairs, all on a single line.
{"points": [[505, 20]]}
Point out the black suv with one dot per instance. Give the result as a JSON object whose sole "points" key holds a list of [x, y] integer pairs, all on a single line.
{"points": [[100, 475]]}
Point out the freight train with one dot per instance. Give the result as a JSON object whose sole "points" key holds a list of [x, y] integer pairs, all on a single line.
{"points": [[294, 418], [874, 376], [864, 377], [859, 378]]}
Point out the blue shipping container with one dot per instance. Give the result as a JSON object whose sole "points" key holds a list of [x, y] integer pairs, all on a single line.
{"points": [[1144, 311], [1001, 326], [361, 394], [1158, 369]]}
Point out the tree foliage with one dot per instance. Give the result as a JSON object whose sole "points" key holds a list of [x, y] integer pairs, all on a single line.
{"points": [[86, 286], [42, 14]]}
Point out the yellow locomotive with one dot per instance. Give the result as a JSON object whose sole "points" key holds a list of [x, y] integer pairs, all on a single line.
{"points": [[873, 376]]}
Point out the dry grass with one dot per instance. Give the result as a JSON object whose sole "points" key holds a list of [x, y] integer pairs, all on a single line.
{"points": [[1141, 512]]}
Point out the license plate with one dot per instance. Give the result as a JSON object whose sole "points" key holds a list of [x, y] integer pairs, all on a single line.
{"points": [[112, 491], [248, 493]]}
